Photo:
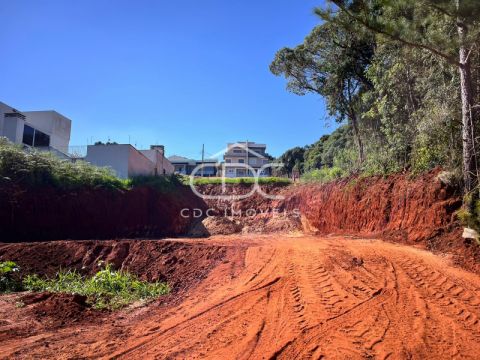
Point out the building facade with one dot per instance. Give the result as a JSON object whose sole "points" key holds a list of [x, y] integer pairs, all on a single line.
{"points": [[185, 166], [126, 161], [249, 153], [45, 130]]}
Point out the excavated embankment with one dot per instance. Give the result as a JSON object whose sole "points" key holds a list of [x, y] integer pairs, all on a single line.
{"points": [[52, 214], [400, 206]]}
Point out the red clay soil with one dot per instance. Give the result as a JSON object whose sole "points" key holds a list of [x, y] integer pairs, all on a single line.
{"points": [[280, 297], [51, 214], [180, 264], [413, 210], [397, 206], [276, 296], [254, 214]]}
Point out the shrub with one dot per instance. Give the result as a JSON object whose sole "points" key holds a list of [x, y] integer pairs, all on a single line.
{"points": [[108, 288], [35, 168], [9, 280], [166, 183], [323, 175]]}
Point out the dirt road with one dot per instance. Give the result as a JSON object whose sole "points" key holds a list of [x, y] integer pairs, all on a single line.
{"points": [[294, 297]]}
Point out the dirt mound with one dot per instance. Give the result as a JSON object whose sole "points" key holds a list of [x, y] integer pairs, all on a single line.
{"points": [[55, 309], [400, 208], [255, 203], [215, 225], [253, 214], [180, 264]]}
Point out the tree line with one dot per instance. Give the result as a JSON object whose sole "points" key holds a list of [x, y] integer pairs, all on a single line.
{"points": [[403, 79]]}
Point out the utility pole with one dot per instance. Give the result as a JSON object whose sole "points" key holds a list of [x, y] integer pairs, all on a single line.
{"points": [[203, 156], [246, 155]]}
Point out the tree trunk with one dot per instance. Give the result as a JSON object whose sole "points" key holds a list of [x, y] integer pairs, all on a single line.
{"points": [[468, 126], [356, 133]]}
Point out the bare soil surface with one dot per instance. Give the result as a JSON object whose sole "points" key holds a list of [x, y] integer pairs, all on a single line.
{"points": [[277, 297]]}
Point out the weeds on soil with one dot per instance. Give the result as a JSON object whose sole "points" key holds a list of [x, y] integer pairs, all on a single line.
{"points": [[9, 278], [107, 289]]}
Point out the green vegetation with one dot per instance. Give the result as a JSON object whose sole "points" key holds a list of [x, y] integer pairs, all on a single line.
{"points": [[165, 184], [35, 169], [323, 175], [108, 288], [245, 180], [9, 279], [390, 72]]}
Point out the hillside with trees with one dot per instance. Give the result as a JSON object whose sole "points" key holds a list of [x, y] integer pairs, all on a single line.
{"points": [[401, 77]]}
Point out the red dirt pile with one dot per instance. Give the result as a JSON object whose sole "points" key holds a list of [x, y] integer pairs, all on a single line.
{"points": [[56, 309], [253, 214]]}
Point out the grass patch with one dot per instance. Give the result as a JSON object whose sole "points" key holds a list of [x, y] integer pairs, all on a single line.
{"points": [[107, 289], [242, 180]]}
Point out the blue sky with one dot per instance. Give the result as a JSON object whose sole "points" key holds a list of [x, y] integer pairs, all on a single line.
{"points": [[178, 73]]}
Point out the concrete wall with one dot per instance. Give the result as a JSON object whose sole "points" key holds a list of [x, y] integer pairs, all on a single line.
{"points": [[3, 109], [53, 124], [127, 161], [11, 127], [50, 122], [162, 164], [139, 164], [113, 156]]}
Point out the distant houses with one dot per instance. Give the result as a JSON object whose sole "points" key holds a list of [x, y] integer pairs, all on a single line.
{"points": [[238, 161], [186, 166], [50, 131]]}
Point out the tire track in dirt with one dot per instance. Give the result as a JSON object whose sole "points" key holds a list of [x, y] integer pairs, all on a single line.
{"points": [[298, 297]]}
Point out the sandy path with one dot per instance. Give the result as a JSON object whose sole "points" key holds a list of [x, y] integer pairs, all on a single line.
{"points": [[296, 297]]}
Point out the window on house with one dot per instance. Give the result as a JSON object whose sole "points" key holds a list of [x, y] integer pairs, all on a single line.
{"points": [[241, 161], [33, 137], [228, 161], [28, 134], [237, 151], [41, 139]]}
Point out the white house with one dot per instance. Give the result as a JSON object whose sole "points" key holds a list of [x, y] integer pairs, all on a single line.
{"points": [[242, 156], [127, 161], [47, 130]]}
